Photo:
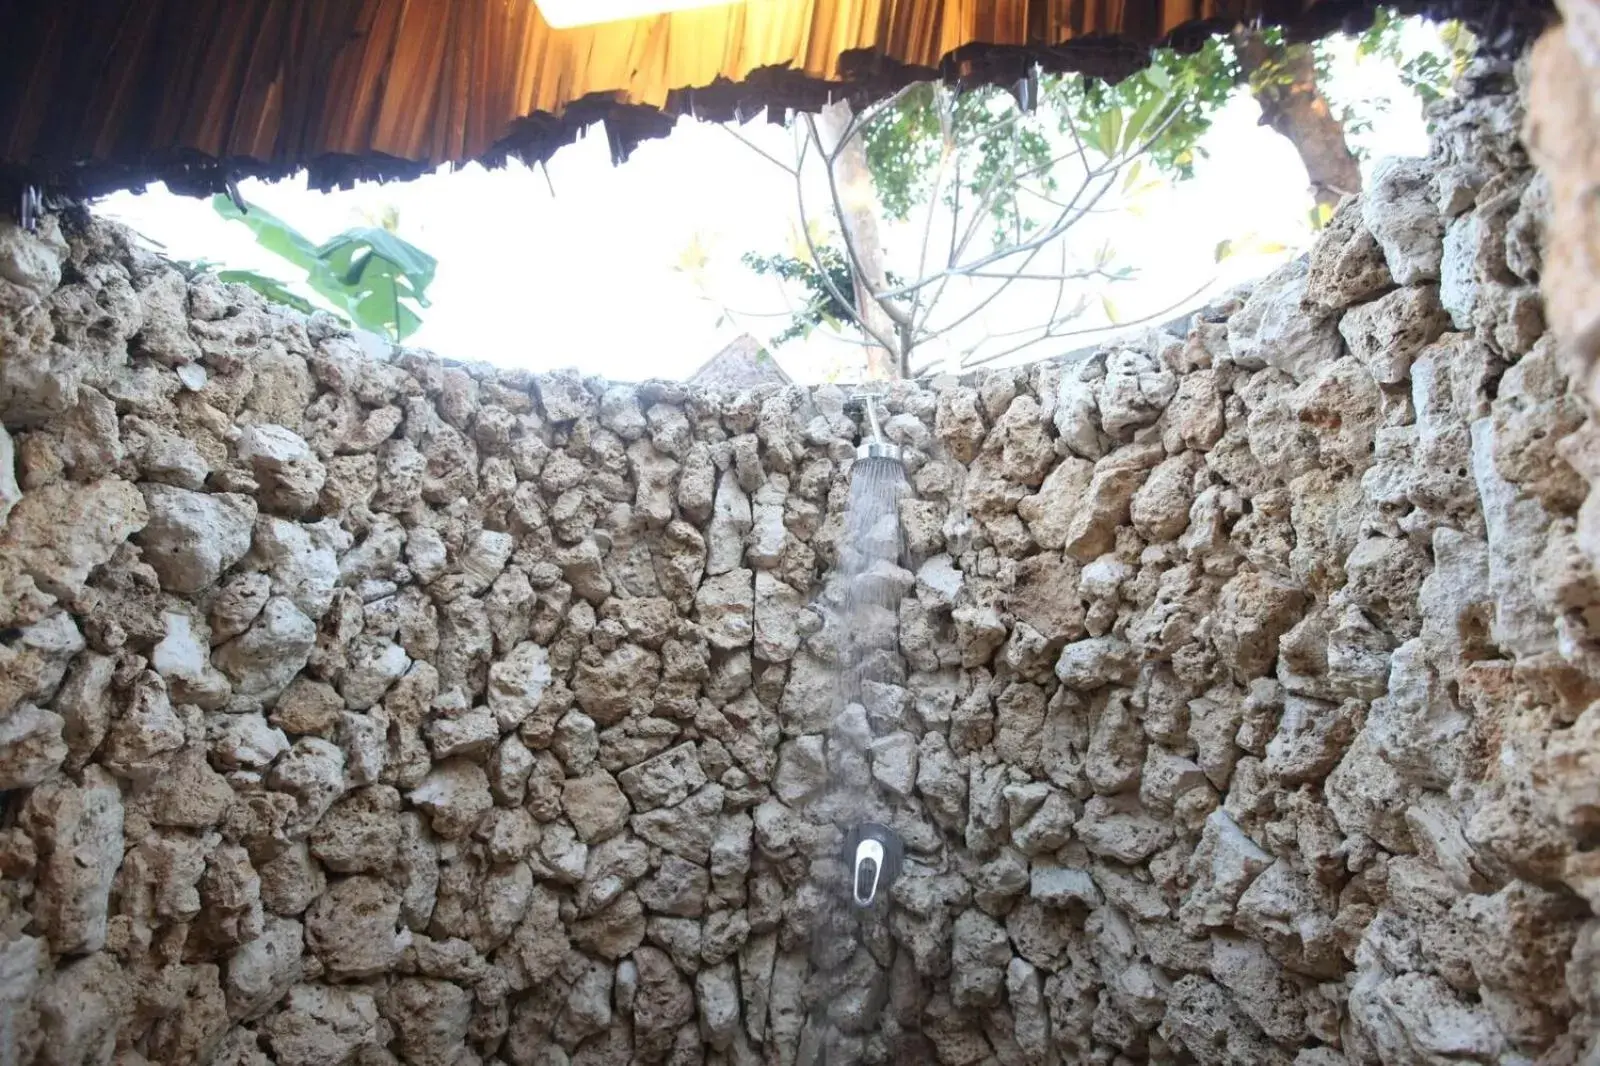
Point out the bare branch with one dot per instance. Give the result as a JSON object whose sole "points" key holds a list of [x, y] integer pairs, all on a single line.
{"points": [[984, 303], [1031, 253], [1026, 263], [1065, 221], [955, 213], [1007, 280], [985, 205], [757, 149], [1113, 166], [946, 151], [860, 120], [1052, 334], [1049, 201], [1064, 275], [790, 313], [896, 314], [816, 260], [959, 247], [899, 318], [1061, 288], [1033, 244], [1057, 319]]}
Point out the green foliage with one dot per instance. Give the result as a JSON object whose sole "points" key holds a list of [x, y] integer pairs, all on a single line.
{"points": [[983, 133], [1428, 74], [367, 275], [905, 147], [819, 283], [985, 155], [1185, 90]]}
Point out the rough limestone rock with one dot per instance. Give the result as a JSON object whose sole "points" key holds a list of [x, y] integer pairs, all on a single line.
{"points": [[609, 686], [262, 661], [311, 775], [32, 747], [372, 667], [454, 795], [59, 534], [1388, 333], [595, 805], [352, 928], [301, 560], [10, 491], [1133, 393], [664, 780], [1091, 530], [1400, 213], [193, 537], [725, 609], [77, 837], [263, 971], [289, 475], [1273, 328], [1347, 266], [323, 1023], [1229, 689]]}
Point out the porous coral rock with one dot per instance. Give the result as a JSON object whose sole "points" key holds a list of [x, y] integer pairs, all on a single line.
{"points": [[1230, 706], [1399, 211], [1274, 329], [192, 537], [57, 535]]}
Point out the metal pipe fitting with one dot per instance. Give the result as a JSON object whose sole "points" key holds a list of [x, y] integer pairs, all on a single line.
{"points": [[875, 447]]}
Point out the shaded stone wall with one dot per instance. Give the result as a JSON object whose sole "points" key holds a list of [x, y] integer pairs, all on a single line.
{"points": [[1563, 106], [371, 711]]}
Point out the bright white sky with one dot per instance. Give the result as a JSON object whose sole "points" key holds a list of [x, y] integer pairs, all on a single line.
{"points": [[588, 274]]}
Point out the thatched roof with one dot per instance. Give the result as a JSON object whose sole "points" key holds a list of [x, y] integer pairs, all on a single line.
{"points": [[97, 95]]}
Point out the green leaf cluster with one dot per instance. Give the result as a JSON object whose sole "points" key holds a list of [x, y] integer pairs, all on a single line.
{"points": [[1185, 90], [988, 139], [1428, 74], [977, 146], [979, 132], [367, 275], [819, 281]]}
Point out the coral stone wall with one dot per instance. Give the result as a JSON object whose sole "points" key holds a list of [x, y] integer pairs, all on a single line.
{"points": [[371, 710]]}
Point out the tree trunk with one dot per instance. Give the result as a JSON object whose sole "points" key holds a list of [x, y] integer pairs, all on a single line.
{"points": [[858, 219], [1283, 79]]}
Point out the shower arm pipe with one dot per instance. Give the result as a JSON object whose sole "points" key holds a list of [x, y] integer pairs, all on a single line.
{"points": [[876, 447]]}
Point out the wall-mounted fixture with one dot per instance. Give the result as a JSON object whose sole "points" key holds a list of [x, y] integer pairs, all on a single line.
{"points": [[873, 853], [565, 14]]}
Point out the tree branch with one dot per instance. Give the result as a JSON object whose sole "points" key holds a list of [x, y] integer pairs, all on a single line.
{"points": [[898, 318], [816, 260], [1051, 334], [757, 149], [1068, 218], [896, 314], [946, 150], [860, 120]]}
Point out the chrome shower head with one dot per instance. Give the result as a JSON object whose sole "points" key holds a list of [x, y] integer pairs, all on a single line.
{"points": [[875, 447]]}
